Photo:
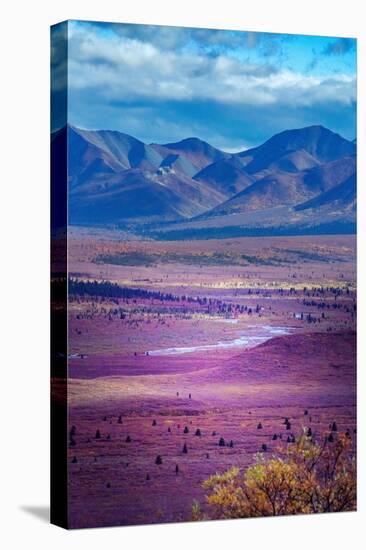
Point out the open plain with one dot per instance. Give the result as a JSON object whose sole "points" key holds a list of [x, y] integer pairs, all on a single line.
{"points": [[176, 345]]}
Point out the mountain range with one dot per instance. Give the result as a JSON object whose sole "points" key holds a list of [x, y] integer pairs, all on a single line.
{"points": [[302, 178]]}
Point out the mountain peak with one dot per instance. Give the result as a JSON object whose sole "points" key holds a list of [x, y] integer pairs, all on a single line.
{"points": [[320, 142], [190, 144], [198, 152]]}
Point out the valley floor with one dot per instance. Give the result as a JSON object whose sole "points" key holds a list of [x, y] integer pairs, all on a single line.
{"points": [[130, 380]]}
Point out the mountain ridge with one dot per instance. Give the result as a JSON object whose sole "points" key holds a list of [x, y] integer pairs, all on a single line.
{"points": [[114, 177]]}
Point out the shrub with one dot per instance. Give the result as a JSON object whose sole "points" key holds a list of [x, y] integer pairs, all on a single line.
{"points": [[186, 430], [185, 449], [198, 432], [222, 442], [158, 460], [97, 435], [308, 477]]}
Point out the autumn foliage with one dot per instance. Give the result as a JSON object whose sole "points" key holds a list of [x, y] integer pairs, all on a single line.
{"points": [[302, 478]]}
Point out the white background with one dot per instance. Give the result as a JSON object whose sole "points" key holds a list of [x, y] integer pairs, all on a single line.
{"points": [[24, 217]]}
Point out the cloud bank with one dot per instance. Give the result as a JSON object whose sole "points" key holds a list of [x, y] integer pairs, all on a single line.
{"points": [[165, 83]]}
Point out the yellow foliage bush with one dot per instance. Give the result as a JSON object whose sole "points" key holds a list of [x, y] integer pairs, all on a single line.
{"points": [[304, 477]]}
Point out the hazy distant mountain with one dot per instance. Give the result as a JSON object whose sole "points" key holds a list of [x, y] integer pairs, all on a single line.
{"points": [[321, 144], [226, 175], [114, 177], [287, 188], [339, 197], [200, 153]]}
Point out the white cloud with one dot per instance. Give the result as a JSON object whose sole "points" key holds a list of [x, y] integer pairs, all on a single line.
{"points": [[119, 68]]}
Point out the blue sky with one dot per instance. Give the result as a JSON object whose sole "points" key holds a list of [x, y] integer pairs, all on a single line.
{"points": [[233, 89]]}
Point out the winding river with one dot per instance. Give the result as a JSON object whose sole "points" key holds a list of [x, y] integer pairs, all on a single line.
{"points": [[245, 340]]}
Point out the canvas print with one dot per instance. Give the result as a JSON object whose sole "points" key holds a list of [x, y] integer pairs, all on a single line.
{"points": [[203, 274]]}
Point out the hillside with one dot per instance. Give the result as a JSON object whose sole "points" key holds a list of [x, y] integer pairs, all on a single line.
{"points": [[115, 178]]}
